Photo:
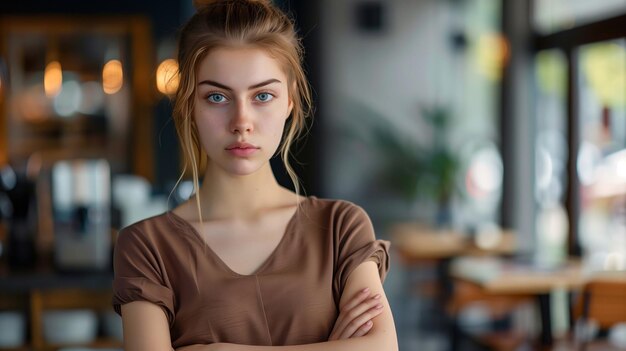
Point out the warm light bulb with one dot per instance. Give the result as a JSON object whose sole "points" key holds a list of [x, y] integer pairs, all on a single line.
{"points": [[167, 77], [112, 77], [493, 51], [53, 79]]}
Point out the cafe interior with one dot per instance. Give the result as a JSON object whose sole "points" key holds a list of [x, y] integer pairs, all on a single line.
{"points": [[486, 139]]}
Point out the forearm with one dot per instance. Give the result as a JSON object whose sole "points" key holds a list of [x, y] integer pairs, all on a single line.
{"points": [[364, 343]]}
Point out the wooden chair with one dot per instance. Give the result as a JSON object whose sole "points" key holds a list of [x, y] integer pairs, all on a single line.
{"points": [[464, 294], [604, 302]]}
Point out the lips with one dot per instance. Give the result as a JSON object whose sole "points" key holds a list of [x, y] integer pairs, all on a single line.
{"points": [[242, 149], [241, 145]]}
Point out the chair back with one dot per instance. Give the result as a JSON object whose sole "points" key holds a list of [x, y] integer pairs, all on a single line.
{"points": [[604, 302]]}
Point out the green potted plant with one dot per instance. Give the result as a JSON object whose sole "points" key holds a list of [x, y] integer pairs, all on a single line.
{"points": [[409, 167]]}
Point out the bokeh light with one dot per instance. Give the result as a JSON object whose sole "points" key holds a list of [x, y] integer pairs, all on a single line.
{"points": [[589, 157], [605, 71], [68, 101], [492, 52], [53, 79], [112, 77], [167, 77], [484, 174]]}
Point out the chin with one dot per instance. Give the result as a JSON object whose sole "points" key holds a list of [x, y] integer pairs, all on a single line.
{"points": [[241, 173], [243, 168]]}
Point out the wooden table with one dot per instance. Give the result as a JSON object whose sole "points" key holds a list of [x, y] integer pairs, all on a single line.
{"points": [[419, 242], [504, 276], [500, 276]]}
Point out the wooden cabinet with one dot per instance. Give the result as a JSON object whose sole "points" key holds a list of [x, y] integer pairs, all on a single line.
{"points": [[77, 86], [37, 292]]}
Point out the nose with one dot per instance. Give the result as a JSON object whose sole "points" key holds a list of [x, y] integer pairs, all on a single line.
{"points": [[241, 121]]}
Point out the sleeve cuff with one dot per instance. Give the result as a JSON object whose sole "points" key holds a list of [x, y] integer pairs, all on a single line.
{"points": [[377, 251], [141, 289]]}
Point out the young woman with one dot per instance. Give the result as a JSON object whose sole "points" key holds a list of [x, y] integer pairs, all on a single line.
{"points": [[246, 264]]}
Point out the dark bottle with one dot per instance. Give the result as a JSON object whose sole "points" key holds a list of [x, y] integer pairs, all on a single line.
{"points": [[22, 223]]}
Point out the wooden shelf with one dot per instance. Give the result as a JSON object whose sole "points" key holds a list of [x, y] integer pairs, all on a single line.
{"points": [[100, 343], [21, 348], [42, 288]]}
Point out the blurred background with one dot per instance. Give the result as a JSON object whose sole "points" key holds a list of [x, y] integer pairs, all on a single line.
{"points": [[485, 138]]}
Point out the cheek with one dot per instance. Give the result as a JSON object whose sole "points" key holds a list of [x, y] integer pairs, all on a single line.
{"points": [[279, 118], [207, 125], [275, 127], [208, 129]]}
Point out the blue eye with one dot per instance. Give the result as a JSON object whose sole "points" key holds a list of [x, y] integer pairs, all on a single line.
{"points": [[216, 98], [265, 97]]}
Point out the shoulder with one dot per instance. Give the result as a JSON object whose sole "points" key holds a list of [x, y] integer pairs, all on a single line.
{"points": [[338, 212], [335, 205], [150, 231]]}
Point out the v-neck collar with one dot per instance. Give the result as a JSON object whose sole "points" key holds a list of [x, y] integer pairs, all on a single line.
{"points": [[286, 235]]}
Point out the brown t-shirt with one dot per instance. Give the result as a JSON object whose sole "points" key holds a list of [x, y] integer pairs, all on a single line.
{"points": [[291, 299]]}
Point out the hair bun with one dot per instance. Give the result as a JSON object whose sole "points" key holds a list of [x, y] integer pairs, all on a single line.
{"points": [[200, 4]]}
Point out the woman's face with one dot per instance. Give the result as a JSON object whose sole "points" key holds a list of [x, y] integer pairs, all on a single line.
{"points": [[242, 104]]}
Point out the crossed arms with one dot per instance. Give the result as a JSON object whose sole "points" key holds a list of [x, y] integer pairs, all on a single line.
{"points": [[146, 327]]}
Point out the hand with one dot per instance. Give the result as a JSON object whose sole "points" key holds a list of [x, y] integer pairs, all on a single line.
{"points": [[355, 318], [196, 347], [202, 347]]}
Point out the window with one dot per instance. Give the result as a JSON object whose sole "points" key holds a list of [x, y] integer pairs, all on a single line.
{"points": [[581, 98]]}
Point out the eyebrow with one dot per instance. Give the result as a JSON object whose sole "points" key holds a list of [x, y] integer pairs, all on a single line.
{"points": [[220, 85]]}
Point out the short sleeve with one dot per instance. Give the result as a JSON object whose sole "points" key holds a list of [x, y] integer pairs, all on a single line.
{"points": [[355, 243], [137, 274]]}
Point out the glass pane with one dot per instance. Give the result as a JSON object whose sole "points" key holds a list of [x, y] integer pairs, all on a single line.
{"points": [[551, 153], [554, 15], [602, 153]]}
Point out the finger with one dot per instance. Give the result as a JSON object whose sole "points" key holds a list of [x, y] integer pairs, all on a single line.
{"points": [[364, 306], [356, 299], [363, 329], [358, 322], [347, 330], [348, 316]]}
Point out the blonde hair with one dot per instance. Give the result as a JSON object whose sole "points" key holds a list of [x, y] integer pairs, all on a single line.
{"points": [[237, 23]]}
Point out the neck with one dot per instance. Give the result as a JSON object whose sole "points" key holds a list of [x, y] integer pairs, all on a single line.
{"points": [[227, 196]]}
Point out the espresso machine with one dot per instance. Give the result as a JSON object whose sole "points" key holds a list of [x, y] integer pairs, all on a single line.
{"points": [[81, 207]]}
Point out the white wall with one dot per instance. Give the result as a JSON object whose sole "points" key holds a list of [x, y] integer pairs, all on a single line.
{"points": [[394, 73]]}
